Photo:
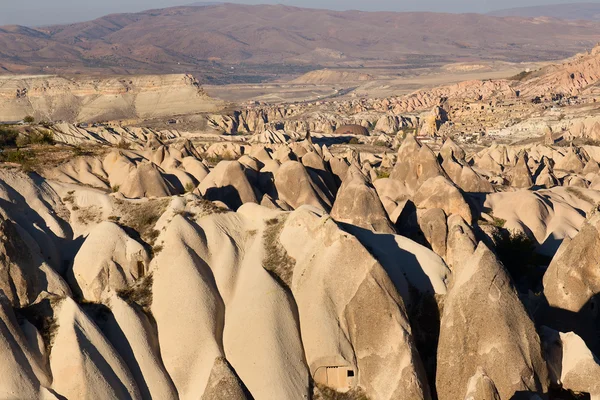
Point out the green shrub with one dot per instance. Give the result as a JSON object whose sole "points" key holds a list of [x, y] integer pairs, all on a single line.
{"points": [[382, 174], [189, 187], [29, 119], [354, 141], [42, 137], [8, 137]]}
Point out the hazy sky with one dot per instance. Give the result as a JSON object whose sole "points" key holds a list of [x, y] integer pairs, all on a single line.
{"points": [[41, 12]]}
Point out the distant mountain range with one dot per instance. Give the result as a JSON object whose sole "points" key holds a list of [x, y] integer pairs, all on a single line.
{"points": [[574, 11], [225, 41]]}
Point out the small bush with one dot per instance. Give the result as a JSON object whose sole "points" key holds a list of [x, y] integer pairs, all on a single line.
{"points": [[24, 158], [382, 174], [354, 141], [521, 76], [189, 187], [8, 137], [115, 188], [29, 119], [497, 222], [140, 293], [42, 137], [380, 143], [123, 144]]}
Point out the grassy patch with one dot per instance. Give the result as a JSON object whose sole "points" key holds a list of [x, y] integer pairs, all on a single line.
{"points": [[276, 260]]}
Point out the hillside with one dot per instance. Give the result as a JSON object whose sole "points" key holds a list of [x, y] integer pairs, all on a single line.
{"points": [[266, 41], [576, 11], [85, 99]]}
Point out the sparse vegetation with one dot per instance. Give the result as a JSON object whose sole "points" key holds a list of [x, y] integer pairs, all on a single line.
{"points": [[79, 151], [8, 137], [22, 157], [354, 141], [521, 76], [322, 392], [115, 188], [142, 217], [123, 144], [382, 174], [157, 249], [189, 187], [43, 137], [517, 252], [140, 293], [209, 208], [226, 156], [580, 195], [41, 316], [380, 143], [29, 119], [277, 261], [497, 222], [70, 197]]}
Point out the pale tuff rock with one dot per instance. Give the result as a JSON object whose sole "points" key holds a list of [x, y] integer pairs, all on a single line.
{"points": [[433, 225], [24, 275], [520, 175], [146, 180], [481, 387], [439, 192], [108, 260], [296, 187], [357, 203], [461, 243], [571, 363], [223, 384], [228, 182], [484, 325], [572, 278], [84, 364], [341, 334], [416, 165], [23, 373]]}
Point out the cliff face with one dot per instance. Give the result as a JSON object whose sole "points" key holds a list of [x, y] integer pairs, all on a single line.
{"points": [[98, 99]]}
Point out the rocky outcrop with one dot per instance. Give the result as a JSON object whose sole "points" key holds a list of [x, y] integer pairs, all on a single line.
{"points": [[572, 278], [499, 338], [108, 260], [439, 192], [357, 203]]}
